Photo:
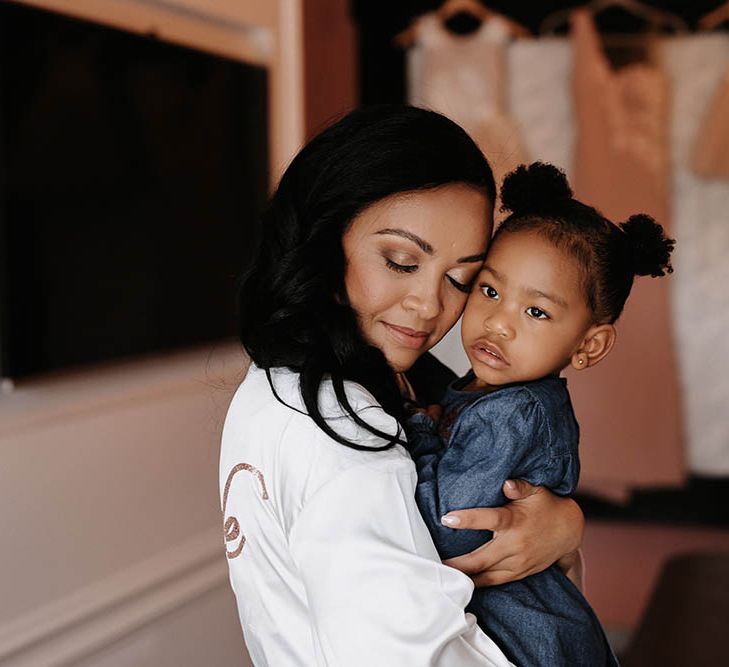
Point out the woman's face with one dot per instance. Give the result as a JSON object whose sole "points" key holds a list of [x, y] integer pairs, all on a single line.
{"points": [[411, 259]]}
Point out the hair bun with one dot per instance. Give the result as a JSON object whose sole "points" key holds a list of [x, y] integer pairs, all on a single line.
{"points": [[537, 188], [651, 248]]}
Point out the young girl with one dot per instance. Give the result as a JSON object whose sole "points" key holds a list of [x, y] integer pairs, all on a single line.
{"points": [[554, 281]]}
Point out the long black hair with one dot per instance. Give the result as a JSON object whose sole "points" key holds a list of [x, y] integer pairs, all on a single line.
{"points": [[609, 256], [293, 305]]}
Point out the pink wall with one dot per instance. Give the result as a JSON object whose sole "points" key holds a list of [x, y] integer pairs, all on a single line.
{"points": [[623, 561]]}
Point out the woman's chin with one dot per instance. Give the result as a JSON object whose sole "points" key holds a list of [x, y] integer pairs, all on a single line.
{"points": [[401, 360]]}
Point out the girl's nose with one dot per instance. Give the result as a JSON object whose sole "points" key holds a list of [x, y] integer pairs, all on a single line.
{"points": [[498, 323]]}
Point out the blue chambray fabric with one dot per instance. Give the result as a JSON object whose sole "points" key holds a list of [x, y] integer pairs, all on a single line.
{"points": [[525, 431]]}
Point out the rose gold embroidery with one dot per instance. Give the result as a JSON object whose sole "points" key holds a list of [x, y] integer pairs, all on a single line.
{"points": [[232, 527]]}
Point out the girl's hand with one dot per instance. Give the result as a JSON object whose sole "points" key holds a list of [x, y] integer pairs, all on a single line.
{"points": [[434, 412], [533, 531]]}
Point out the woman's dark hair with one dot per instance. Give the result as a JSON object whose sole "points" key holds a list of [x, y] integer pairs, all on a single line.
{"points": [[293, 304], [609, 256]]}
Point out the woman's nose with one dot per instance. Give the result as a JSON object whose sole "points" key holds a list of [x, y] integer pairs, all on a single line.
{"points": [[426, 301]]}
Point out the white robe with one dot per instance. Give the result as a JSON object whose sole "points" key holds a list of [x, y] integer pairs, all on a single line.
{"points": [[330, 560]]}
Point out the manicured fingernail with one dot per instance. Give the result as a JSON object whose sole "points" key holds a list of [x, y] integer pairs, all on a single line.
{"points": [[509, 485], [449, 520]]}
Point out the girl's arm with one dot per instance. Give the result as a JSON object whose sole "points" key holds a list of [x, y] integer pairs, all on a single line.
{"points": [[536, 529]]}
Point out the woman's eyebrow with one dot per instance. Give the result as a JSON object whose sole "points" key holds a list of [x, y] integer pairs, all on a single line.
{"points": [[421, 243], [472, 258]]}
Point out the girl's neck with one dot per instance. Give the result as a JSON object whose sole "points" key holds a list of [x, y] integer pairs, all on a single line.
{"points": [[476, 384]]}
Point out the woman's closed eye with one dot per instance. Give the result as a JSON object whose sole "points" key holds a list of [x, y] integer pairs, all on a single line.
{"points": [[400, 268], [537, 313], [460, 286]]}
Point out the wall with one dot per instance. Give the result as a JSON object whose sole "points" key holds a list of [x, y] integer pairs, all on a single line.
{"points": [[330, 62], [112, 540], [112, 537]]}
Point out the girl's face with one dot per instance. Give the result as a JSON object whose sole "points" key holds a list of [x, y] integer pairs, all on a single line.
{"points": [[527, 313], [411, 259]]}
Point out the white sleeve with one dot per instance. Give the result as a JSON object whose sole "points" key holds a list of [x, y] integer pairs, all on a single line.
{"points": [[376, 589]]}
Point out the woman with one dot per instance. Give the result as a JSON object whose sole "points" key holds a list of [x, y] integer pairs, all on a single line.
{"points": [[369, 247]]}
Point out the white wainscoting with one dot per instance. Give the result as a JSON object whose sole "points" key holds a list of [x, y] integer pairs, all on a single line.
{"points": [[112, 544]]}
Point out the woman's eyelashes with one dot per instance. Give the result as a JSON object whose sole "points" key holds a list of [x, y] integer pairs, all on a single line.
{"points": [[400, 268], [461, 287]]}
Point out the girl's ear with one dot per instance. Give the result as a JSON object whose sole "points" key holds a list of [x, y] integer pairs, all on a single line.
{"points": [[596, 345]]}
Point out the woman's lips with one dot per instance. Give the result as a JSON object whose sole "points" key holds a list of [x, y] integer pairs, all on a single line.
{"points": [[490, 355], [407, 337]]}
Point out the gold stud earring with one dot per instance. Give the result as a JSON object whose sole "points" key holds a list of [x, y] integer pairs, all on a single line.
{"points": [[580, 361]]}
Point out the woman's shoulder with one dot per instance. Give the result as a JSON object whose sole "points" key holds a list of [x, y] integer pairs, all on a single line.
{"points": [[295, 457], [272, 415]]}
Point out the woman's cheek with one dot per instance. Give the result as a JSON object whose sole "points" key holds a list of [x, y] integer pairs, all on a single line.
{"points": [[459, 306], [451, 313]]}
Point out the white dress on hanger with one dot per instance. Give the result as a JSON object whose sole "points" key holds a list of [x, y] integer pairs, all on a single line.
{"points": [[540, 97], [700, 299], [464, 77]]}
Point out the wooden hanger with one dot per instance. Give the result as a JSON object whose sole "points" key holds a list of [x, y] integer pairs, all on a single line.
{"points": [[715, 17], [656, 18], [451, 8]]}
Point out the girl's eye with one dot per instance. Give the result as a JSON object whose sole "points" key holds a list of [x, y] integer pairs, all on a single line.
{"points": [[489, 291], [400, 268], [537, 313], [461, 287]]}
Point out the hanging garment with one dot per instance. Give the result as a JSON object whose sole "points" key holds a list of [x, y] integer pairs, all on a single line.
{"points": [[540, 97], [628, 406], [696, 66], [464, 77], [710, 154]]}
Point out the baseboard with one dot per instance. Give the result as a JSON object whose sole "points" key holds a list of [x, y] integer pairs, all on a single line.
{"points": [[72, 627]]}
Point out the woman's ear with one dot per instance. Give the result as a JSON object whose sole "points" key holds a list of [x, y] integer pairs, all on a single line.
{"points": [[596, 345]]}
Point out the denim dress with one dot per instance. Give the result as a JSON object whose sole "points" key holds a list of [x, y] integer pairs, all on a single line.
{"points": [[526, 431]]}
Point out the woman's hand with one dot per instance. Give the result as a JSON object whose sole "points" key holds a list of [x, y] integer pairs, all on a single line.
{"points": [[533, 531]]}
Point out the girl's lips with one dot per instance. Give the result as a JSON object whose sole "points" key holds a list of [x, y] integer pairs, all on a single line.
{"points": [[489, 355], [407, 337]]}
